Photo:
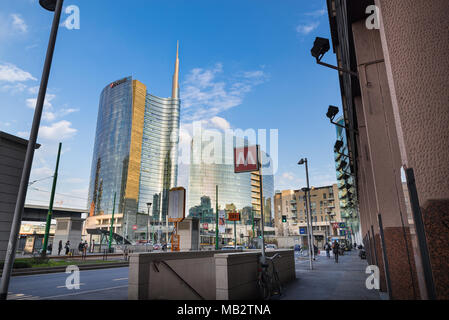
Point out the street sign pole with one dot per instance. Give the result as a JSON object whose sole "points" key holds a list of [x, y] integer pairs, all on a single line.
{"points": [[216, 217], [112, 223], [261, 204], [50, 207]]}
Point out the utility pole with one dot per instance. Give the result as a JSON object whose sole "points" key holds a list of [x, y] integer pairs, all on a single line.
{"points": [[235, 235], [216, 217], [112, 223], [310, 209], [50, 207], [55, 6], [259, 158]]}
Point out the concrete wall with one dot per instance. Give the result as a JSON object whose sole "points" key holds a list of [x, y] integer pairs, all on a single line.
{"points": [[236, 273], [12, 157], [211, 274], [67, 229], [197, 268], [415, 44]]}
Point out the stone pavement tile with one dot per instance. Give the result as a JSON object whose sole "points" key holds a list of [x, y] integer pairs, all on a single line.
{"points": [[330, 281]]}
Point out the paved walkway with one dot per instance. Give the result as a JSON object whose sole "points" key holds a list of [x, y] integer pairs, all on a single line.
{"points": [[328, 280]]}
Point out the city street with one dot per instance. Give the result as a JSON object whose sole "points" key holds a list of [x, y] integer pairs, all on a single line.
{"points": [[328, 280], [101, 284]]}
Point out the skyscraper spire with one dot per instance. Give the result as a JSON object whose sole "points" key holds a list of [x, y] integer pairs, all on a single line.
{"points": [[175, 87]]}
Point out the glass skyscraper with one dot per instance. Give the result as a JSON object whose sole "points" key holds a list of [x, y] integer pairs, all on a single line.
{"points": [[135, 154], [236, 191]]}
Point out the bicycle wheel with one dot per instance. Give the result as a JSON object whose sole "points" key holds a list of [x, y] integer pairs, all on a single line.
{"points": [[264, 286], [276, 284]]}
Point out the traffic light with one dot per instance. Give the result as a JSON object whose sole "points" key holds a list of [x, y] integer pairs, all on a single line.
{"points": [[284, 218]]}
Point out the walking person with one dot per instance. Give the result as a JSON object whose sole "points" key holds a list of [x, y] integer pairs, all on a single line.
{"points": [[59, 247], [67, 247], [85, 245], [327, 247], [335, 250]]}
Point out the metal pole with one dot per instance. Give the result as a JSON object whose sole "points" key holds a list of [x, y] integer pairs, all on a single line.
{"points": [[261, 203], [384, 252], [112, 224], [166, 231], [50, 207], [216, 217], [420, 234], [235, 235], [308, 230], [12, 244], [310, 209]]}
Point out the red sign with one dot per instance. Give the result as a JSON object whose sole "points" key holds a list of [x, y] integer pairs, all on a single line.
{"points": [[233, 216], [205, 226], [134, 227], [246, 159]]}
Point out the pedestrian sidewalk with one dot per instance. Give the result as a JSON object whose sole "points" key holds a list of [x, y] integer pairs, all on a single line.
{"points": [[328, 280]]}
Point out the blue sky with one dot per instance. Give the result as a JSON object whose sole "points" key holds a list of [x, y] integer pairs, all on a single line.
{"points": [[244, 64]]}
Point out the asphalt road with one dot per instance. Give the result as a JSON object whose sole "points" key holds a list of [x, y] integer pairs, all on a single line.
{"points": [[100, 284]]}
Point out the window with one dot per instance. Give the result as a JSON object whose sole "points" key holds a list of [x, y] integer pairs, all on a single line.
{"points": [[324, 196]]}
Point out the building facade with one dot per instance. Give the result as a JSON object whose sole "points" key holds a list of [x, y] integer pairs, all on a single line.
{"points": [[12, 158], [345, 182], [290, 214], [135, 156], [396, 114], [237, 192]]}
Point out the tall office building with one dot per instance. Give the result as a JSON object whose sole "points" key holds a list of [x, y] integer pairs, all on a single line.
{"points": [[135, 155]]}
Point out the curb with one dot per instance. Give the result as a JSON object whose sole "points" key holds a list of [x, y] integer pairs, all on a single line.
{"points": [[35, 271]]}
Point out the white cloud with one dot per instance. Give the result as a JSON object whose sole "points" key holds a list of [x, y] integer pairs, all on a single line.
{"points": [[220, 123], [74, 180], [305, 29], [33, 90], [288, 175], [57, 131], [31, 103], [206, 92], [316, 13], [14, 88], [18, 23], [12, 73]]}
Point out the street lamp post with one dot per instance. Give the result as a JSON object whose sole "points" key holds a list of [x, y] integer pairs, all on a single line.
{"points": [[307, 195], [56, 6]]}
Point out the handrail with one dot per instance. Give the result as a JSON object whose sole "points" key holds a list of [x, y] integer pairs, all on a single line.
{"points": [[156, 263]]}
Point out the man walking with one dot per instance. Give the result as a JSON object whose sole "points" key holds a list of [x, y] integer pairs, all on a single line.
{"points": [[335, 250], [59, 247], [327, 247], [67, 248]]}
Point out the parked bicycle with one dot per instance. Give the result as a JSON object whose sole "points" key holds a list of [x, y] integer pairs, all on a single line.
{"points": [[268, 281]]}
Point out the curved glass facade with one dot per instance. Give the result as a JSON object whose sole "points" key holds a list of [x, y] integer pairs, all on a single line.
{"points": [[135, 154], [111, 149], [159, 165]]}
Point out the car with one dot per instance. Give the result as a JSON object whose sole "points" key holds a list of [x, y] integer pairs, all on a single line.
{"points": [[270, 246], [228, 248], [157, 246]]}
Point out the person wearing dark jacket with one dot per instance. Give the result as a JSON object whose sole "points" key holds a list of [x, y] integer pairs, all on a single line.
{"points": [[336, 250], [59, 247]]}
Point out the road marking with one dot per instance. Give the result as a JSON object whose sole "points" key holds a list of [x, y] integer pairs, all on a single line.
{"points": [[21, 296], [59, 287], [119, 279], [82, 292]]}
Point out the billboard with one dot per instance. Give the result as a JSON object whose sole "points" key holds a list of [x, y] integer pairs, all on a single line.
{"points": [[221, 221], [176, 204], [246, 159], [234, 216]]}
